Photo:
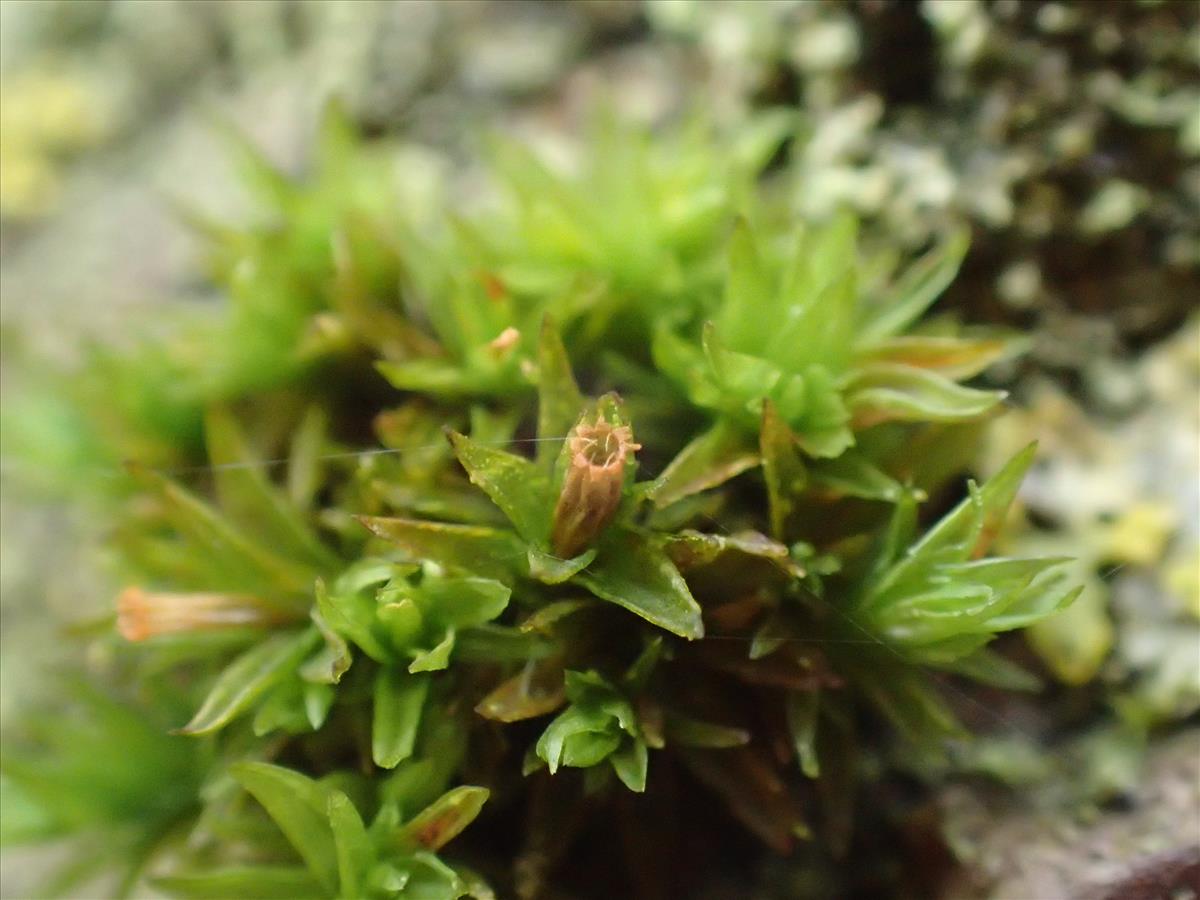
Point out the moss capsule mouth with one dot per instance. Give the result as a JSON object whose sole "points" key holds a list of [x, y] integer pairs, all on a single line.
{"points": [[602, 445]]}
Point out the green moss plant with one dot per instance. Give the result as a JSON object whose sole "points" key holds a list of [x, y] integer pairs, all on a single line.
{"points": [[619, 473]]}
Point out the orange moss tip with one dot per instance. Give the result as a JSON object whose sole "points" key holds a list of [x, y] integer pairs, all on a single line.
{"points": [[145, 614], [504, 341]]}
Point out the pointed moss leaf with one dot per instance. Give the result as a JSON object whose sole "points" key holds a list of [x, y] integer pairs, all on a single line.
{"points": [[545, 619], [428, 878], [513, 482], [331, 661], [768, 637], [534, 691], [351, 614], [398, 703], [708, 461], [559, 400], [897, 537], [686, 731], [822, 258], [783, 470], [584, 749], [244, 561], [259, 175], [443, 820], [802, 708], [250, 676], [1074, 643], [747, 311], [630, 763], [473, 885], [685, 364], [922, 284], [690, 549], [462, 602], [822, 430], [436, 658], [318, 700], [955, 358], [244, 882], [299, 806], [760, 136], [388, 879], [490, 552], [574, 720], [853, 475], [820, 329], [284, 709], [439, 378], [634, 573], [1048, 593], [251, 500], [989, 667], [531, 762], [882, 392], [355, 855], [742, 378], [967, 530], [550, 569], [640, 670], [493, 643]]}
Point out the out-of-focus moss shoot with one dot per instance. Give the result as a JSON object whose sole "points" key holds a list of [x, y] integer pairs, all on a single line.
{"points": [[145, 614]]}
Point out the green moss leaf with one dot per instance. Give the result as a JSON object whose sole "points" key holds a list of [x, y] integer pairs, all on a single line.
{"points": [[783, 469], [249, 498], [249, 677], [706, 462], [631, 763], [955, 358], [443, 820], [883, 392], [236, 560], [852, 474], [399, 701], [550, 569], [513, 482], [299, 806], [461, 602], [333, 660], [802, 712], [436, 658], [988, 667], [351, 614], [634, 573], [686, 731], [748, 312], [352, 844], [559, 399], [922, 284], [534, 691], [965, 532], [490, 552], [578, 720], [248, 882]]}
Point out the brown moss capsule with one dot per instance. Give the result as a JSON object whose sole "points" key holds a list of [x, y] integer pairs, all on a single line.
{"points": [[146, 614], [591, 489]]}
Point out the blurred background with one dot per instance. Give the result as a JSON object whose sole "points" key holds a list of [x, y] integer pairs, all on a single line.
{"points": [[1065, 134]]}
